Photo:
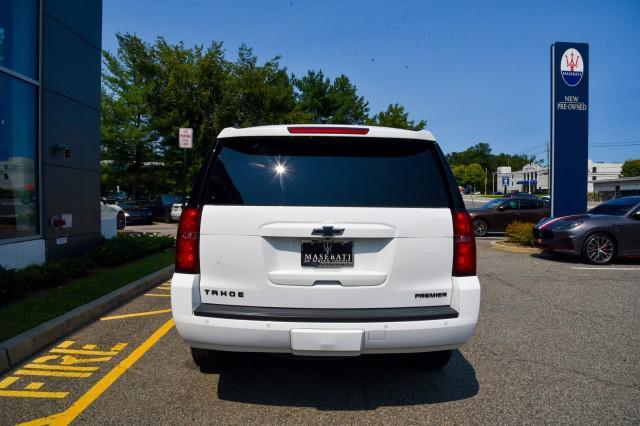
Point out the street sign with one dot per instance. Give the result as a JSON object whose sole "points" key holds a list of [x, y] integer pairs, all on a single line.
{"points": [[569, 128], [505, 180], [185, 138]]}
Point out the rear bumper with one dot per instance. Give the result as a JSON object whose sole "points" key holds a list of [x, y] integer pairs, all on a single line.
{"points": [[204, 326], [257, 313]]}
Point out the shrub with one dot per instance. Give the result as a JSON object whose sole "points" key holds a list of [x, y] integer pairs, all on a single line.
{"points": [[520, 233], [126, 248], [15, 283]]}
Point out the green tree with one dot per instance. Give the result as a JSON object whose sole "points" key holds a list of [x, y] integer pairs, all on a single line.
{"points": [[630, 168], [346, 106], [320, 101], [396, 116], [481, 154], [259, 94], [459, 173], [474, 176], [313, 101], [128, 139]]}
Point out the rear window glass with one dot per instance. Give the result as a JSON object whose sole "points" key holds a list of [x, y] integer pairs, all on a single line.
{"points": [[323, 171], [616, 207]]}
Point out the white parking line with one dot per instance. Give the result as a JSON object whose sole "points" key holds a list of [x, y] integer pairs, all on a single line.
{"points": [[603, 268]]}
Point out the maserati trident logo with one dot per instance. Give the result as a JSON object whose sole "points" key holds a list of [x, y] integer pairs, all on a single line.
{"points": [[571, 67], [327, 249]]}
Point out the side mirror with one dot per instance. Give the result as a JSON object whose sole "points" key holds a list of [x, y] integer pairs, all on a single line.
{"points": [[636, 215]]}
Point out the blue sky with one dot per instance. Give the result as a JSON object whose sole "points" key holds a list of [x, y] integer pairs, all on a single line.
{"points": [[476, 71]]}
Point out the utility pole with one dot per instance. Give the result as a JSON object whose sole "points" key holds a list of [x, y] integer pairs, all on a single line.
{"points": [[486, 172], [493, 181]]}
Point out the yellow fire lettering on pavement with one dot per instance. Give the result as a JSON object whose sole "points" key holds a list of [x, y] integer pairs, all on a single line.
{"points": [[34, 386], [89, 347], [5, 383], [66, 344], [157, 295], [31, 390], [45, 358], [103, 384], [51, 373], [82, 352], [59, 367], [118, 347], [73, 360]]}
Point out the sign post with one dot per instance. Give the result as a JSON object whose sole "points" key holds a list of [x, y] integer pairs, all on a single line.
{"points": [[185, 141], [569, 128]]}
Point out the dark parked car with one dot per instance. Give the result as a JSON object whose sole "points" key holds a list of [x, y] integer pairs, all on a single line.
{"points": [[609, 230], [500, 212], [521, 195], [161, 206], [136, 213]]}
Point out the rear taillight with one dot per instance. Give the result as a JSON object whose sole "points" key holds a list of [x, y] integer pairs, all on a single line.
{"points": [[464, 244], [328, 130], [187, 242]]}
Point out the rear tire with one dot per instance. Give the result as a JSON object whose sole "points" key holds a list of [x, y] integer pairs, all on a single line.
{"points": [[480, 227], [208, 360], [435, 360], [121, 221], [599, 249]]}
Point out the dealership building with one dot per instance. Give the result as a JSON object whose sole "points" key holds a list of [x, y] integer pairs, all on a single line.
{"points": [[534, 177], [613, 188], [50, 57]]}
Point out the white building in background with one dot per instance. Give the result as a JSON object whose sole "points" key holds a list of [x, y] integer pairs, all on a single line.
{"points": [[534, 177], [602, 171]]}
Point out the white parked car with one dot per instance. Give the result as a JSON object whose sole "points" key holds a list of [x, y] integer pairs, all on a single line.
{"points": [[318, 240], [121, 220], [176, 212]]}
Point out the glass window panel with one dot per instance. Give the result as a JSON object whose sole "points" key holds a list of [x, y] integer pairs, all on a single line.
{"points": [[18, 138], [328, 171], [19, 36]]}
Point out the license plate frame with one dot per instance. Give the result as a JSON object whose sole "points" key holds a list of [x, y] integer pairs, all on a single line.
{"points": [[326, 254]]}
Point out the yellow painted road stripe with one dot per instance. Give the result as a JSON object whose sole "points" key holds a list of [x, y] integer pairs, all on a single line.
{"points": [[8, 381], [59, 367], [137, 314], [118, 346], [33, 394], [34, 385], [87, 399], [66, 344], [81, 352], [157, 295], [52, 373]]}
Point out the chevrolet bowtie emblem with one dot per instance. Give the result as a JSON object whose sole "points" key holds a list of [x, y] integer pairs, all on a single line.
{"points": [[327, 231]]}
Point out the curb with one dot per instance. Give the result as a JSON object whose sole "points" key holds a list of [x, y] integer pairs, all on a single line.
{"points": [[527, 250], [17, 348]]}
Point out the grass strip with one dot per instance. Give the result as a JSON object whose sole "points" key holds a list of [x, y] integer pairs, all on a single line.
{"points": [[33, 310]]}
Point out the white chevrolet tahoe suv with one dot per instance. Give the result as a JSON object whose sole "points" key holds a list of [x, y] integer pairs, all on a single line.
{"points": [[317, 240]]}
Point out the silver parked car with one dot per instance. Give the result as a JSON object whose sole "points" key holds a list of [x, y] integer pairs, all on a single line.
{"points": [[607, 231]]}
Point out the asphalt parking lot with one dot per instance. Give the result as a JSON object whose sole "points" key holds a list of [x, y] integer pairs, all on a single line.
{"points": [[557, 342]]}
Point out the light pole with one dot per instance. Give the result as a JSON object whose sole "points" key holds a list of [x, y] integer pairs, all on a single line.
{"points": [[493, 181]]}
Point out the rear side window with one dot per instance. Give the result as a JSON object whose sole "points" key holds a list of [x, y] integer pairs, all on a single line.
{"points": [[529, 204], [327, 171]]}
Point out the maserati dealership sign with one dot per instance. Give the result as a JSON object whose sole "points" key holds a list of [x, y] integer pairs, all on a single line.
{"points": [[569, 127]]}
